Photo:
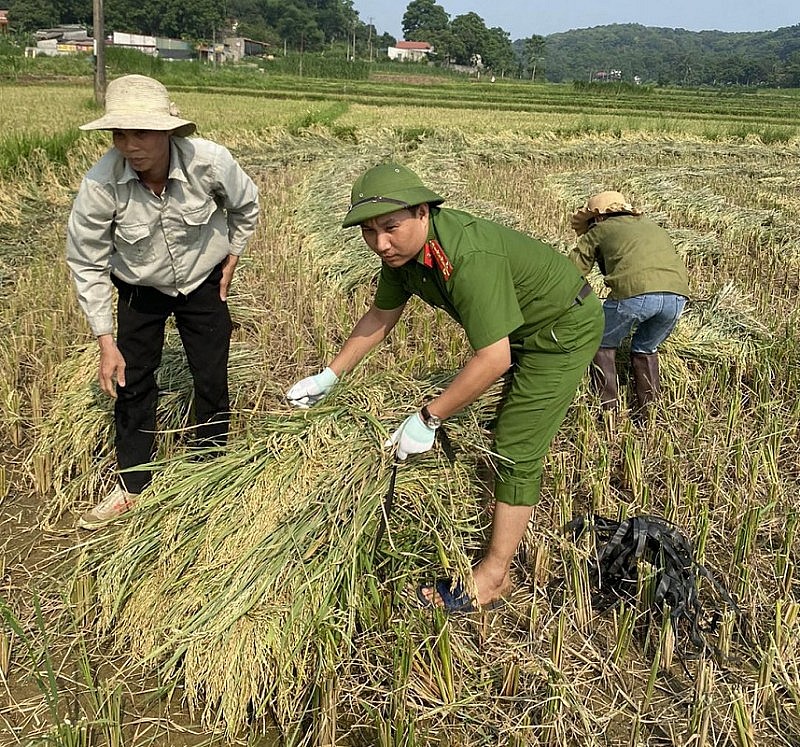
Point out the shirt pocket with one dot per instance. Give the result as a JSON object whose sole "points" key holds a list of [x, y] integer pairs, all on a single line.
{"points": [[195, 220], [134, 242]]}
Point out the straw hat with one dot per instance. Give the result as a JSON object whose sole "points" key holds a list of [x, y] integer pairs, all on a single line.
{"points": [[136, 102], [384, 189], [603, 203]]}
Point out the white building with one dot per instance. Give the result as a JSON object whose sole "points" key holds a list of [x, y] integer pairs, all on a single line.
{"points": [[409, 51]]}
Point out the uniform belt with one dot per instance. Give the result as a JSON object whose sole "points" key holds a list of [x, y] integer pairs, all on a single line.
{"points": [[582, 293]]}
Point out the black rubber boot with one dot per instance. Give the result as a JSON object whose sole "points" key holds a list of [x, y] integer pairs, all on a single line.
{"points": [[646, 379], [604, 378]]}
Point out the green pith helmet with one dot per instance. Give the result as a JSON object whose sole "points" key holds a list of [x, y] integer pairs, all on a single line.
{"points": [[384, 189]]}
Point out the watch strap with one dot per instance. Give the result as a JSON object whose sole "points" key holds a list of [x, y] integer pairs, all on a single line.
{"points": [[432, 421]]}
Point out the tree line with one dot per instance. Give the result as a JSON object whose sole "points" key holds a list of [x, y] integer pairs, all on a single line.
{"points": [[309, 25], [676, 56], [294, 25]]}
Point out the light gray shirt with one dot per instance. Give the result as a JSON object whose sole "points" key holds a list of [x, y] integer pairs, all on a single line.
{"points": [[172, 242]]}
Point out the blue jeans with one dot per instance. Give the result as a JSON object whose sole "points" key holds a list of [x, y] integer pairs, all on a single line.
{"points": [[654, 315]]}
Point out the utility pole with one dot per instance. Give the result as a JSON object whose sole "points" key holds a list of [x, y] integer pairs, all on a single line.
{"points": [[370, 39], [99, 53], [535, 60]]}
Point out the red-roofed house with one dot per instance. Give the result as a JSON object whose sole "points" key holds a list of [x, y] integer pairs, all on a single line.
{"points": [[408, 51]]}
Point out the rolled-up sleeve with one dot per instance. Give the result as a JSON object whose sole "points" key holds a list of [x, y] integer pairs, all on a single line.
{"points": [[89, 248], [239, 197]]}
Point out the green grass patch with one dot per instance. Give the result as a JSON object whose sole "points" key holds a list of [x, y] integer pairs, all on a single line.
{"points": [[776, 134], [17, 149], [412, 135], [323, 117], [767, 134], [16, 67]]}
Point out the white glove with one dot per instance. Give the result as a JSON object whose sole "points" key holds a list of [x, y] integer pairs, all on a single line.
{"points": [[312, 389], [413, 437]]}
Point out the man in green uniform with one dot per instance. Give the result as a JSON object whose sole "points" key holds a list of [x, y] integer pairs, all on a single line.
{"points": [[519, 301], [648, 290]]}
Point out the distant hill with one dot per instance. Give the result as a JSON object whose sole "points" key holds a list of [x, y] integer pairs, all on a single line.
{"points": [[675, 56]]}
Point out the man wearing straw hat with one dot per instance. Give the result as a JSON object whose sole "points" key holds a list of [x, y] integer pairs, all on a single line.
{"points": [[648, 286], [520, 302], [163, 219]]}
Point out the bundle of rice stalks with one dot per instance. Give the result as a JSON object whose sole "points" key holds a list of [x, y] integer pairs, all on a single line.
{"points": [[572, 189], [72, 456], [72, 445], [570, 145], [246, 576], [726, 327]]}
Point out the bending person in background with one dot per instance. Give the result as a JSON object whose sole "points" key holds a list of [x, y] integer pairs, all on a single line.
{"points": [[520, 303], [163, 219], [648, 286]]}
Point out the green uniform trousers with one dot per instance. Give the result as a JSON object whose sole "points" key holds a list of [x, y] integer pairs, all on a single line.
{"points": [[548, 366]]}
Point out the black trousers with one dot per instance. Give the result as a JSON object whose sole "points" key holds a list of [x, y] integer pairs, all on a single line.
{"points": [[204, 325]]}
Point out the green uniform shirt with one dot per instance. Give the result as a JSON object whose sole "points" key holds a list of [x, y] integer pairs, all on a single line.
{"points": [[502, 283], [635, 255]]}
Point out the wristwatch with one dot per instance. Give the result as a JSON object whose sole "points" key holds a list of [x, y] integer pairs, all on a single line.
{"points": [[432, 421]]}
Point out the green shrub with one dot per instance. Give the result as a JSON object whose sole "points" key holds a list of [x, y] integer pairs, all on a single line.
{"points": [[318, 66], [121, 61], [10, 49]]}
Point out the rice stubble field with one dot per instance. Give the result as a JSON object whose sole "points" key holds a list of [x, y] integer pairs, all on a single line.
{"points": [[244, 601]]}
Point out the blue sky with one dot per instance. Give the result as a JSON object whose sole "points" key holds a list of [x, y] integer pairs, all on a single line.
{"points": [[522, 19]]}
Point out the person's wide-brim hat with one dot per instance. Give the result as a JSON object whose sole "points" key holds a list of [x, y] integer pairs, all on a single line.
{"points": [[136, 102], [603, 203], [385, 189]]}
